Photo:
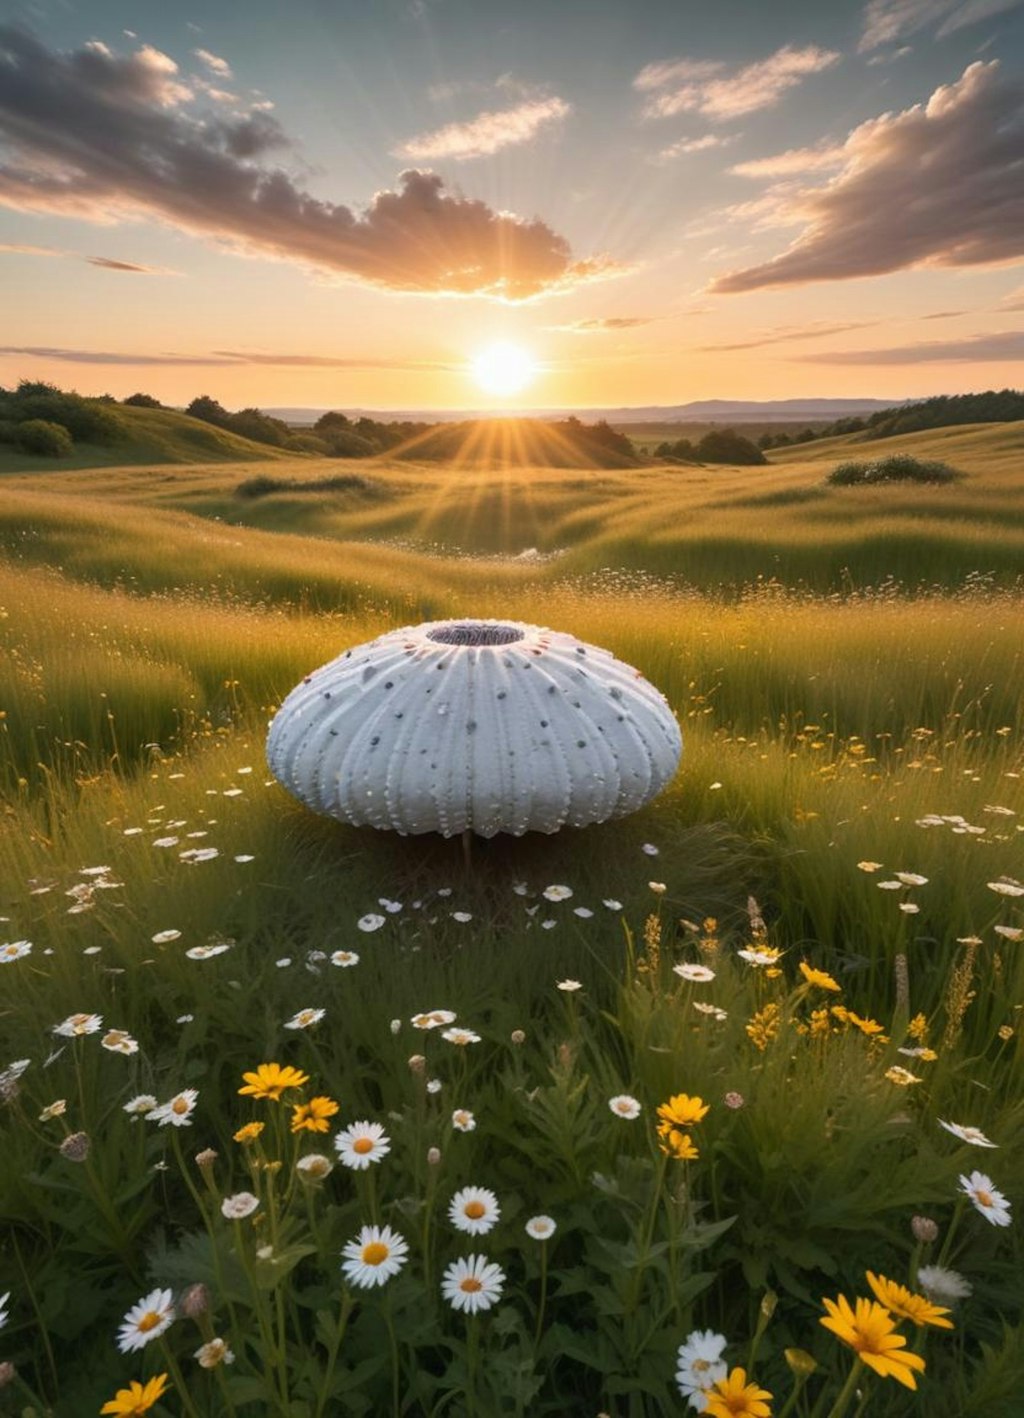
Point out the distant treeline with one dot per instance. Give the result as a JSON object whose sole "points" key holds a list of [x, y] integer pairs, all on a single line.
{"points": [[721, 445], [943, 411]]}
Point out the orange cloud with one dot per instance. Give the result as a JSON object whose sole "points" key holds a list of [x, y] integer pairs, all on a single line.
{"points": [[486, 133], [722, 92]]}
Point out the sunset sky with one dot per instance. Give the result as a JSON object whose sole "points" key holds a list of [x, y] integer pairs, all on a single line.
{"points": [[341, 203]]}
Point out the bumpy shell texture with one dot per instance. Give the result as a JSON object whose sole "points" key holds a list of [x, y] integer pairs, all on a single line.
{"points": [[485, 725]]}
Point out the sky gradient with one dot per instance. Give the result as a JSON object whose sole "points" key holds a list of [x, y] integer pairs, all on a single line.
{"points": [[340, 203]]}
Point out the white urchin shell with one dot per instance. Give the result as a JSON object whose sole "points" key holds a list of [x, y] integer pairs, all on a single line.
{"points": [[485, 725]]}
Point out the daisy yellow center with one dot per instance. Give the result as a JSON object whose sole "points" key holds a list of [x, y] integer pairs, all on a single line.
{"points": [[984, 1198], [470, 1285], [362, 1145], [624, 1107], [700, 1366], [375, 1253], [475, 1209], [179, 1106], [149, 1321]]}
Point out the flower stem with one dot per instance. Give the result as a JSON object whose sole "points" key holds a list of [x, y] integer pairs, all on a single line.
{"points": [[543, 1295], [849, 1389]]}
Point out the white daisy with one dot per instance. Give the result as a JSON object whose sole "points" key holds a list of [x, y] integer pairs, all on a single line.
{"points": [[612, 904], [77, 1024], [650, 850], [314, 1166], [658, 887], [370, 922], [698, 973], [434, 1085], [463, 1120], [162, 937], [700, 1365], [475, 1210], [119, 1042], [212, 1353], [344, 958], [1010, 932], [237, 1207], [14, 950], [623, 1106], [432, 1018], [569, 986], [986, 1198], [57, 1109], [584, 912], [461, 916], [207, 952], [362, 1143], [177, 1110], [1006, 887], [145, 1321], [471, 1284], [142, 1103], [540, 1227], [557, 893], [758, 957], [967, 1134], [909, 908], [377, 1254], [911, 878], [942, 1286], [305, 1018], [461, 1037], [712, 1009]]}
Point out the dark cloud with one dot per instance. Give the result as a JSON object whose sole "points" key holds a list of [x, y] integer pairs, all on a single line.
{"points": [[106, 356], [1007, 346], [95, 135], [886, 21], [940, 184]]}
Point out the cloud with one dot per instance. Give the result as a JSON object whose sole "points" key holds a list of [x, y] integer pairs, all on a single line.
{"points": [[218, 358], [792, 162], [108, 264], [605, 322], [486, 133], [685, 146], [791, 332], [214, 63], [936, 185], [1006, 346], [886, 21], [720, 92], [17, 249], [101, 137]]}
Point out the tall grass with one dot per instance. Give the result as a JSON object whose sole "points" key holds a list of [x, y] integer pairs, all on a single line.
{"points": [[831, 741]]}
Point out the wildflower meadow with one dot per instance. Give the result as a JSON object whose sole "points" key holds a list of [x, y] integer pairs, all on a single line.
{"points": [[713, 1109]]}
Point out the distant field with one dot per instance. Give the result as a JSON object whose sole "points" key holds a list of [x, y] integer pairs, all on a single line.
{"points": [[846, 665]]}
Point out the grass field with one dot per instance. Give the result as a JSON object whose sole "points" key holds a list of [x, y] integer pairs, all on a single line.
{"points": [[847, 666]]}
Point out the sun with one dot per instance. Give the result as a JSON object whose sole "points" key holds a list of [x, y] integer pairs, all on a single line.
{"points": [[504, 368]]}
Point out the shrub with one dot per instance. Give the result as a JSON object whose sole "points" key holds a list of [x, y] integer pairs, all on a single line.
{"points": [[899, 467], [143, 401], [49, 440], [86, 420], [8, 431], [306, 443], [343, 444], [725, 445]]}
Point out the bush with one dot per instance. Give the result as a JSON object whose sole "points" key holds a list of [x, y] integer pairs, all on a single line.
{"points": [[343, 444], [8, 431], [86, 420], [49, 440], [143, 401], [306, 443], [725, 445], [900, 467]]}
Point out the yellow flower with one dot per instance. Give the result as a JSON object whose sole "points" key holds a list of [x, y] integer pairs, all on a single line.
{"points": [[733, 1397], [270, 1080], [870, 1027], [764, 1026], [817, 977], [870, 1332], [906, 1304], [138, 1399], [676, 1144], [918, 1028], [901, 1076], [250, 1132], [681, 1110], [312, 1116]]}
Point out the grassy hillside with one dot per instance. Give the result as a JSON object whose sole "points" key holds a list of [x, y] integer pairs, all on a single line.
{"points": [[842, 730], [153, 436]]}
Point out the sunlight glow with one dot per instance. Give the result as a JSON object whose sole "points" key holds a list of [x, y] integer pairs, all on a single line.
{"points": [[504, 368]]}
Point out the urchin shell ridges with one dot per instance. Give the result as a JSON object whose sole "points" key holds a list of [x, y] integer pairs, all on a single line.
{"points": [[493, 726]]}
